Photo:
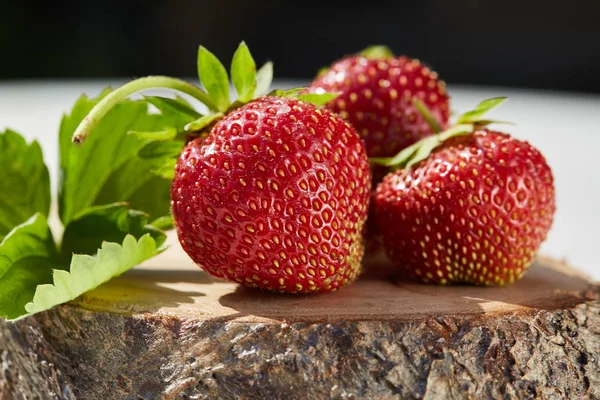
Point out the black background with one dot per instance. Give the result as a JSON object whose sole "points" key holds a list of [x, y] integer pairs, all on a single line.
{"points": [[537, 44]]}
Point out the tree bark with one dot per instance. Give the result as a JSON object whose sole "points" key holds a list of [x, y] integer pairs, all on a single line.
{"points": [[170, 332]]}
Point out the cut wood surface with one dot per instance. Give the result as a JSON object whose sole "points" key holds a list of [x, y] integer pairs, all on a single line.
{"points": [[167, 330]]}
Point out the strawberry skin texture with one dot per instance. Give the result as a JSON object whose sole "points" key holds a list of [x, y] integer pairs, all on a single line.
{"points": [[275, 197], [475, 211], [377, 99]]}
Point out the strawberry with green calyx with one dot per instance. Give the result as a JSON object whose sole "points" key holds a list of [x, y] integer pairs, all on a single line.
{"points": [[469, 205], [274, 190], [377, 93]]}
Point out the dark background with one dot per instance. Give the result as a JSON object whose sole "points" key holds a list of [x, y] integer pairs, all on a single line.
{"points": [[537, 44]]}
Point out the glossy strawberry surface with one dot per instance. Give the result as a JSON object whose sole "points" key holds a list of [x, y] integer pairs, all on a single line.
{"points": [[377, 99], [476, 210], [275, 197]]}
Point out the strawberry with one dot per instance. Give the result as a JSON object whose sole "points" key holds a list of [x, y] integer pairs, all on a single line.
{"points": [[475, 210], [275, 197], [377, 92], [273, 191]]}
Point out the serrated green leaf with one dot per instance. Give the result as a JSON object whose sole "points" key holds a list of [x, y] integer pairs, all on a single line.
{"points": [[106, 168], [24, 181], [318, 99], [202, 122], [88, 272], [213, 77], [264, 78], [481, 109], [243, 73], [112, 222], [27, 258], [377, 52]]}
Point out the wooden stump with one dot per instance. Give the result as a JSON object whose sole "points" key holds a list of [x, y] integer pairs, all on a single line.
{"points": [[167, 331]]}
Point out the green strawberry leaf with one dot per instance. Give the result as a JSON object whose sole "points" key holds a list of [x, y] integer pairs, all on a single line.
{"points": [[163, 157], [165, 223], [106, 168], [27, 258], [178, 109], [202, 122], [318, 99], [166, 134], [482, 108], [377, 52], [24, 182], [264, 78], [88, 272], [243, 73], [213, 77], [112, 222]]}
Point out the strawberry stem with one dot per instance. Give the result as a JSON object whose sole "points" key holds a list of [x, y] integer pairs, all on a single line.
{"points": [[115, 97]]}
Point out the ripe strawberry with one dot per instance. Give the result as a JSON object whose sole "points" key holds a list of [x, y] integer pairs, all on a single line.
{"points": [[273, 192], [275, 197], [377, 92], [475, 210]]}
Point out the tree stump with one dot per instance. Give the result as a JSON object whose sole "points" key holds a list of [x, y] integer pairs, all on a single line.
{"points": [[167, 331]]}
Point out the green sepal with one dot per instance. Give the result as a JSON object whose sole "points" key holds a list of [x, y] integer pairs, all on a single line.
{"points": [[474, 116], [322, 71], [377, 52], [264, 78], [202, 122], [426, 114], [213, 77], [422, 149], [289, 93], [243, 73], [318, 99]]}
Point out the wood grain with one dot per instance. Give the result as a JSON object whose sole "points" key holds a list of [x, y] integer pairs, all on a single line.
{"points": [[166, 330]]}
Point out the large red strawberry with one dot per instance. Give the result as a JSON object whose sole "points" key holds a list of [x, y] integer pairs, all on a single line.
{"points": [[377, 93], [274, 191], [475, 210]]}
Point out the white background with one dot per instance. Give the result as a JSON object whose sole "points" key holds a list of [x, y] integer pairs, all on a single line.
{"points": [[565, 127]]}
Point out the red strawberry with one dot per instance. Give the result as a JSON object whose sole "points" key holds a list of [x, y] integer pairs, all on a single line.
{"points": [[274, 191], [475, 210], [377, 95], [276, 197]]}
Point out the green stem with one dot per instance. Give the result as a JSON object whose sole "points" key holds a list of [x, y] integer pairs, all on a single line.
{"points": [[426, 113], [115, 97]]}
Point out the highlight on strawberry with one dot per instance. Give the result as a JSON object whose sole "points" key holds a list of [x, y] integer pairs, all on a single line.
{"points": [[270, 190], [467, 205]]}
